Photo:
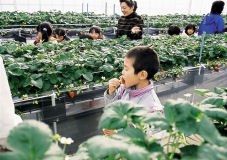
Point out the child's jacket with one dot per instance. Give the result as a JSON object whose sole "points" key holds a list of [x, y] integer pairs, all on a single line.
{"points": [[145, 96], [212, 23]]}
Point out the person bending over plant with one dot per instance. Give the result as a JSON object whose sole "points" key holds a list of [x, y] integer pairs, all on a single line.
{"points": [[94, 34], [45, 32], [60, 35], [140, 65], [173, 30]]}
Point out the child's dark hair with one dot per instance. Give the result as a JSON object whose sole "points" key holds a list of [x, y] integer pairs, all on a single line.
{"points": [[190, 26], [130, 3], [46, 29], [145, 59], [62, 32], [174, 30], [97, 29], [217, 7]]}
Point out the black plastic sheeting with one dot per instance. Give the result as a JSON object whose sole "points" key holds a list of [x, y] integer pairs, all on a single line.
{"points": [[78, 118]]}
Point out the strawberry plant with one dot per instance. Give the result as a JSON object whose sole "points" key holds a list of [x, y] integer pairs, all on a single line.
{"points": [[37, 69], [180, 120]]}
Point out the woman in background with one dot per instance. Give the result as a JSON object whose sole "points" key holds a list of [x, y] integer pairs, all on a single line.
{"points": [[130, 23]]}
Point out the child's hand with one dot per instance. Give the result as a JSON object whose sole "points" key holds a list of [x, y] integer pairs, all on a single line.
{"points": [[108, 132], [113, 84]]}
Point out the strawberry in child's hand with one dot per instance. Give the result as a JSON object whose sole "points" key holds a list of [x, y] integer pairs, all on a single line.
{"points": [[122, 80], [71, 94]]}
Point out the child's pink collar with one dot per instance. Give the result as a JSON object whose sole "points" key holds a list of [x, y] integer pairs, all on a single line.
{"points": [[142, 91]]}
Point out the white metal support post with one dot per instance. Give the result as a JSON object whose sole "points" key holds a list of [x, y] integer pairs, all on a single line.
{"points": [[87, 9], [189, 7], [53, 97], [114, 18], [148, 23], [82, 7], [106, 9]]}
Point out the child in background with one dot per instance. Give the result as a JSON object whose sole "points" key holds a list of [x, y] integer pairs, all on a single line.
{"points": [[173, 30], [190, 29], [61, 35], [94, 34], [45, 32], [213, 22], [140, 66]]}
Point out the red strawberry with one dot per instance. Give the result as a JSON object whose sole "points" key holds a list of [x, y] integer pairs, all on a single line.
{"points": [[162, 70], [71, 94], [217, 69], [122, 80]]}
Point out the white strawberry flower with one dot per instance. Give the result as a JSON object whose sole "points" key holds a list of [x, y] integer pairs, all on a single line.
{"points": [[64, 140]]}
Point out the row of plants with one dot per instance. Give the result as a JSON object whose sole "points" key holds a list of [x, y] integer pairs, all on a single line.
{"points": [[164, 21], [54, 17], [205, 121], [57, 17], [36, 69]]}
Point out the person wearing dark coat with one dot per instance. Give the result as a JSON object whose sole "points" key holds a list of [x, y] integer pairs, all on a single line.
{"points": [[130, 24]]}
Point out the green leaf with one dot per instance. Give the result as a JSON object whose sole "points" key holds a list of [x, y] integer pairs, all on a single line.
{"points": [[38, 83], [88, 76], [110, 146], [208, 131], [59, 67], [189, 152], [133, 133], [29, 140], [215, 113], [189, 126], [179, 110], [204, 152], [108, 68], [201, 92], [157, 120], [118, 114], [36, 76], [54, 153], [77, 74], [46, 85], [217, 101], [15, 70], [219, 90]]}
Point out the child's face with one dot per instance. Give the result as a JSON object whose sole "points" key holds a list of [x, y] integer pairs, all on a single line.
{"points": [[190, 31], [128, 73], [39, 37], [59, 38], [94, 35]]}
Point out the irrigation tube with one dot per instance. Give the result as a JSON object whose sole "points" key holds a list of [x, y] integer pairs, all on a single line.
{"points": [[201, 65], [201, 48]]}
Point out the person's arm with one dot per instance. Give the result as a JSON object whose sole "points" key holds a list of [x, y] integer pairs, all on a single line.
{"points": [[113, 92], [139, 24], [220, 25]]}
